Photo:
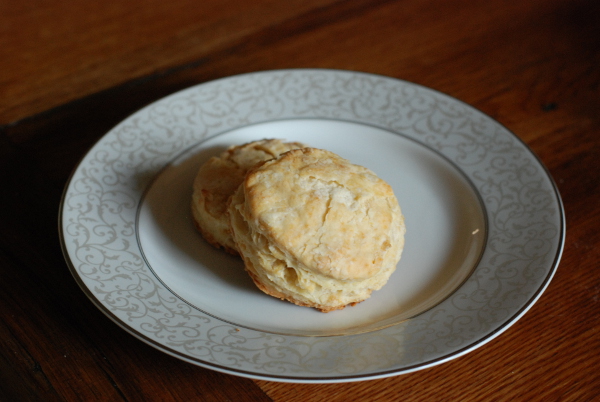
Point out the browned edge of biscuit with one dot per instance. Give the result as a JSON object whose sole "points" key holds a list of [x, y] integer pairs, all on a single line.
{"points": [[279, 295], [211, 240]]}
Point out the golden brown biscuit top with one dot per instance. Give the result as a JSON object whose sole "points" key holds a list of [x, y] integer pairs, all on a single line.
{"points": [[333, 217], [220, 176]]}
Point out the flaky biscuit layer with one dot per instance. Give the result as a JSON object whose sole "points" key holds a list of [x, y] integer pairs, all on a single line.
{"points": [[218, 178], [317, 230]]}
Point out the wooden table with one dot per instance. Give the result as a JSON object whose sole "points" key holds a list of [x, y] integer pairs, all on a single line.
{"points": [[71, 70]]}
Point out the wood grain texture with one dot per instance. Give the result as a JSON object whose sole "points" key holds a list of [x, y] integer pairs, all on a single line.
{"points": [[71, 49], [72, 70]]}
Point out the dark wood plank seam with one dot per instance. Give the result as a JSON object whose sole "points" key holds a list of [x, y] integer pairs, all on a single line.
{"points": [[309, 21]]}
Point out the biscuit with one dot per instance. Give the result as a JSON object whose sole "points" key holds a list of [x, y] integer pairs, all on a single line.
{"points": [[216, 181], [317, 230]]}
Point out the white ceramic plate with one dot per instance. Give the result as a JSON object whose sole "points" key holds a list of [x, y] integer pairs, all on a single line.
{"points": [[485, 227]]}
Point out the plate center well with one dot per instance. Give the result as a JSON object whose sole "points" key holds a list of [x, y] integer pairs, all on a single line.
{"points": [[444, 218]]}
